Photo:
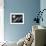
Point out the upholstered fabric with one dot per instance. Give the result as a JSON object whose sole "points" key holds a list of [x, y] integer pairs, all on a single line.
{"points": [[39, 33]]}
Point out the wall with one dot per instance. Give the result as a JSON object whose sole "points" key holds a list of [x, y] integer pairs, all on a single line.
{"points": [[43, 6], [29, 8]]}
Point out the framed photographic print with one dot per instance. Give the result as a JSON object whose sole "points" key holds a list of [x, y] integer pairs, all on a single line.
{"points": [[16, 18]]}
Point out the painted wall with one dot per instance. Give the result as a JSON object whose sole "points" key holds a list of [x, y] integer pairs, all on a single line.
{"points": [[43, 6], [29, 8]]}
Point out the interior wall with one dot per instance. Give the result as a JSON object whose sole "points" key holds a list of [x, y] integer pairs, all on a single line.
{"points": [[43, 6], [13, 32]]}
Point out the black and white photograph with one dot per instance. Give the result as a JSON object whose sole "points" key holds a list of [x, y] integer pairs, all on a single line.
{"points": [[17, 18]]}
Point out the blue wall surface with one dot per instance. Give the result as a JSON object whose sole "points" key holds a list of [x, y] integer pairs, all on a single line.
{"points": [[29, 8], [43, 6]]}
